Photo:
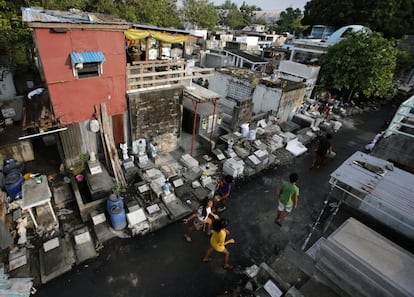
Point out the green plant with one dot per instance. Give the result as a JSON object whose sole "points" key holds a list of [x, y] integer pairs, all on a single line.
{"points": [[84, 157], [118, 189]]}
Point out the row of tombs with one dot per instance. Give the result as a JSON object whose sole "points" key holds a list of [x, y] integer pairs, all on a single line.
{"points": [[161, 188]]}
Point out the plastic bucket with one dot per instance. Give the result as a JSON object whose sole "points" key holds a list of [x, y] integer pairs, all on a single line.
{"points": [[13, 183], [79, 178], [244, 129], [252, 135]]}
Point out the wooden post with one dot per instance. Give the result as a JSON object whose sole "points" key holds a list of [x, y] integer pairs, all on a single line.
{"points": [[147, 41]]}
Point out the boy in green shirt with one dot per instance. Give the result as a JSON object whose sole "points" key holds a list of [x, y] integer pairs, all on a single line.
{"points": [[288, 198]]}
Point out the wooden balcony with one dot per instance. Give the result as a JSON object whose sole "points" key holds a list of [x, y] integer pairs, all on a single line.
{"points": [[151, 74]]}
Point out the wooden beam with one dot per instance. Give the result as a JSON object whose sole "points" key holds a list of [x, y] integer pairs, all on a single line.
{"points": [[106, 27]]}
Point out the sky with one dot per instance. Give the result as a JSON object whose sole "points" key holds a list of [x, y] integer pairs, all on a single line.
{"points": [[269, 4]]}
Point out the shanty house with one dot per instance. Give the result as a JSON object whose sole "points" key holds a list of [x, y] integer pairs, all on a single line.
{"points": [[82, 61]]}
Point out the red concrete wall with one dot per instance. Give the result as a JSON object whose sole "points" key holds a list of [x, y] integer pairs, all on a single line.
{"points": [[73, 99]]}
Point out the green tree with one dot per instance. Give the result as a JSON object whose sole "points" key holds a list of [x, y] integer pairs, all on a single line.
{"points": [[234, 19], [200, 14], [228, 5], [290, 21], [247, 12], [14, 36], [108, 7], [391, 17], [161, 13], [362, 66]]}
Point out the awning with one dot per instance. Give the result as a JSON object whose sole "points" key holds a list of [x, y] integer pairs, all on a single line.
{"points": [[136, 34], [87, 57]]}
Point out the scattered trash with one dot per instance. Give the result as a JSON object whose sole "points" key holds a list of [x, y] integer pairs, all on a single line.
{"points": [[30, 246], [120, 234], [99, 246], [21, 230], [64, 211]]}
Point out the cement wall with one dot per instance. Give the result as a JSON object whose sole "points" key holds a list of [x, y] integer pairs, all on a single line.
{"points": [[15, 103], [263, 99], [156, 115], [216, 61], [7, 88], [289, 103], [266, 99], [21, 151], [299, 70]]}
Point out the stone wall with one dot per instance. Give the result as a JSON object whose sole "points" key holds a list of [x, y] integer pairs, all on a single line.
{"points": [[21, 151], [156, 115], [242, 113]]}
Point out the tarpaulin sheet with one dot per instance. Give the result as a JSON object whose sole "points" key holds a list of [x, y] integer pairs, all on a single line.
{"points": [[136, 34]]}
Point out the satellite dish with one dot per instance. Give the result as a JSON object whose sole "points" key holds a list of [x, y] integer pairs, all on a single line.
{"points": [[94, 125]]}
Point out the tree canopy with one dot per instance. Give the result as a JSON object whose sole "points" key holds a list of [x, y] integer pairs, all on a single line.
{"points": [[393, 18], [234, 19], [362, 65], [200, 13], [247, 12], [14, 36], [290, 21]]}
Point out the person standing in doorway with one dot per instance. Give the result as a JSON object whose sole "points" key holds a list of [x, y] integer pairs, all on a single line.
{"points": [[288, 198], [218, 242]]}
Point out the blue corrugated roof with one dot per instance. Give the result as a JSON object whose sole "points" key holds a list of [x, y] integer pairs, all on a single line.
{"points": [[87, 57]]}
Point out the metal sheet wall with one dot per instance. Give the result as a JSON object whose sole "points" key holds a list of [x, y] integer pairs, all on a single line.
{"points": [[77, 140]]}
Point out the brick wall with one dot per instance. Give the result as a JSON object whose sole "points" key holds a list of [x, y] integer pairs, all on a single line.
{"points": [[156, 115], [242, 113]]}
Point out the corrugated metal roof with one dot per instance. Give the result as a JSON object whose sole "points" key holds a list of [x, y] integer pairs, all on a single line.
{"points": [[72, 16], [390, 193], [87, 57]]}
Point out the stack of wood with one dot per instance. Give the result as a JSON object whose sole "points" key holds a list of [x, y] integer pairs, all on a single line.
{"points": [[108, 143], [37, 111]]}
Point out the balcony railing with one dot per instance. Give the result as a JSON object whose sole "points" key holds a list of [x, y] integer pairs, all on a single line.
{"points": [[149, 74]]}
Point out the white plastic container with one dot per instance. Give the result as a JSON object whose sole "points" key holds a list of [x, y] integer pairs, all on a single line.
{"points": [[244, 129], [252, 134]]}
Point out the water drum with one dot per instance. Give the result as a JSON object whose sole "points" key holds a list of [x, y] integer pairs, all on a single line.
{"points": [[13, 183], [118, 218], [115, 206]]}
